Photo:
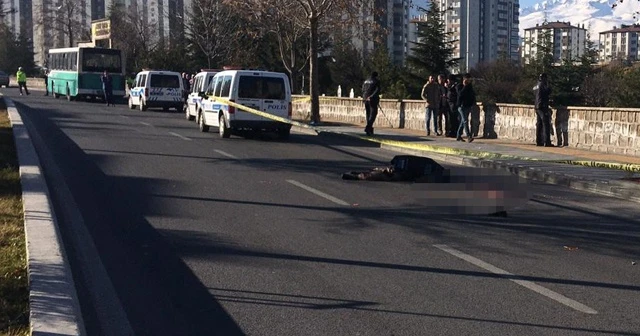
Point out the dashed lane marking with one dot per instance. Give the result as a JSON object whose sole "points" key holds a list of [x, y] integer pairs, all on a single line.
{"points": [[318, 192], [524, 283]]}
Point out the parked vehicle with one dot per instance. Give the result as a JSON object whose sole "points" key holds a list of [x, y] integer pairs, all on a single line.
{"points": [[200, 84], [76, 72], [260, 90], [154, 88], [4, 79]]}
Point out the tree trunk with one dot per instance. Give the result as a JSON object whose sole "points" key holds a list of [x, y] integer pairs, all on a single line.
{"points": [[314, 81]]}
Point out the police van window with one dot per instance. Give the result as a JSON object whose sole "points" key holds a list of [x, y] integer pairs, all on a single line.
{"points": [[211, 87], [165, 81], [198, 86], [143, 80], [252, 87], [226, 86], [218, 86]]}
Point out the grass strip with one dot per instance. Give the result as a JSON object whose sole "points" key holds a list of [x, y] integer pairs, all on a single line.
{"points": [[14, 285]]}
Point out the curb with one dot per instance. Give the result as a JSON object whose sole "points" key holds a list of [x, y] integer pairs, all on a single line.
{"points": [[618, 189], [53, 300]]}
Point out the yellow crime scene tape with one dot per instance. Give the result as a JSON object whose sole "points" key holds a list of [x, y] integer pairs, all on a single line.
{"points": [[629, 167]]}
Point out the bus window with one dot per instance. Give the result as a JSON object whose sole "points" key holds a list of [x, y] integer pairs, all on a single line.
{"points": [[99, 60]]}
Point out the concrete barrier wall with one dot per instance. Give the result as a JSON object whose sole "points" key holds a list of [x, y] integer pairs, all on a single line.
{"points": [[608, 130]]}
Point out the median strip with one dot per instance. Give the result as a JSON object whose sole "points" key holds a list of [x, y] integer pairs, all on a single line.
{"points": [[14, 285]]}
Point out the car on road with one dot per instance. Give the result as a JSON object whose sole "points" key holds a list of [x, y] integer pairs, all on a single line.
{"points": [[154, 88], [263, 91], [200, 84], [4, 79]]}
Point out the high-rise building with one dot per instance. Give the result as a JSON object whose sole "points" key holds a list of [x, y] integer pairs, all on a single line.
{"points": [[391, 21], [620, 43], [481, 30], [568, 42], [62, 23]]}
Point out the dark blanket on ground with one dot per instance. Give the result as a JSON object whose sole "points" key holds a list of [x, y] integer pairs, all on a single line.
{"points": [[404, 168]]}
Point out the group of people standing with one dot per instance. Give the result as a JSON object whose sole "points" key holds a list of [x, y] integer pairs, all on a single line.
{"points": [[446, 101], [451, 102]]}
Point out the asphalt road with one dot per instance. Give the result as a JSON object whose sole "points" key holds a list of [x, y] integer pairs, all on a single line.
{"points": [[202, 236]]}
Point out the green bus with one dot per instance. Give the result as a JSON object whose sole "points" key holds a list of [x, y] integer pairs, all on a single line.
{"points": [[75, 72]]}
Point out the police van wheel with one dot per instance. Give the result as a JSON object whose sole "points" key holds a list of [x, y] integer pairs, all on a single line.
{"points": [[201, 123], [188, 116], [224, 131], [131, 106], [142, 106]]}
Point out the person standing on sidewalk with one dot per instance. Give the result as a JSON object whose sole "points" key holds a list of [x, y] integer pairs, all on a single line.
{"points": [[46, 79], [452, 99], [107, 88], [466, 101], [432, 96], [371, 98], [21, 76], [543, 113], [443, 111]]}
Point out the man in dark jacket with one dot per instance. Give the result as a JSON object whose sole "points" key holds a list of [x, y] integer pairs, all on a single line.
{"points": [[371, 98], [107, 88], [543, 113], [443, 111], [452, 100], [466, 101]]}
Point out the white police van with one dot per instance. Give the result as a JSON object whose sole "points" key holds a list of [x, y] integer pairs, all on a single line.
{"points": [[154, 88], [200, 84], [264, 91]]}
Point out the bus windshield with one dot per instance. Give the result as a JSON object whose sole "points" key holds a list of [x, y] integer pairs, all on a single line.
{"points": [[99, 60]]}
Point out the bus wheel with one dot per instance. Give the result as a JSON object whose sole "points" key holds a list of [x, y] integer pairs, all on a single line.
{"points": [[69, 98]]}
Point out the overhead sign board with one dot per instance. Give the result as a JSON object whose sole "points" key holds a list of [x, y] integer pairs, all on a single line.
{"points": [[101, 30]]}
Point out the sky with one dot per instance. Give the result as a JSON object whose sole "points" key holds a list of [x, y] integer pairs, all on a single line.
{"points": [[527, 3]]}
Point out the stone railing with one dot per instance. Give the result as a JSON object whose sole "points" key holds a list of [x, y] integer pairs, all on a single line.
{"points": [[608, 130]]}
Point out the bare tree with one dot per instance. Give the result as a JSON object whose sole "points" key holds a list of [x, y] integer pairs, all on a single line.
{"points": [[211, 27], [68, 18], [313, 16], [133, 33]]}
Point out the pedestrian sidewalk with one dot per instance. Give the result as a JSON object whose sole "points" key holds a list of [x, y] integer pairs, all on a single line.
{"points": [[562, 166]]}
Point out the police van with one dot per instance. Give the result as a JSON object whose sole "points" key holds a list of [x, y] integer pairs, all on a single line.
{"points": [[200, 84], [264, 91], [154, 88]]}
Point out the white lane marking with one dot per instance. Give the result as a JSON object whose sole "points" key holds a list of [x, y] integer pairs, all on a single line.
{"points": [[179, 136], [527, 284], [146, 124], [225, 154], [124, 116], [318, 192]]}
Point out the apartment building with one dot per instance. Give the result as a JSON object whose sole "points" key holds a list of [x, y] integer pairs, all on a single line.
{"points": [[481, 30], [568, 41], [619, 43], [17, 15], [391, 20]]}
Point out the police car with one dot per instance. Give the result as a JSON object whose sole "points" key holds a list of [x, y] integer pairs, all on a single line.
{"points": [[265, 91], [200, 84], [154, 88]]}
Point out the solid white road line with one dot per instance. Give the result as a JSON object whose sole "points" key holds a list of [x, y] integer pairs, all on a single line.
{"points": [[179, 136], [124, 116], [527, 284], [225, 154], [146, 124], [318, 192]]}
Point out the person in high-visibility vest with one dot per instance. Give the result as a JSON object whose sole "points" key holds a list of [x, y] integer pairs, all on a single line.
{"points": [[22, 81]]}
